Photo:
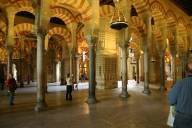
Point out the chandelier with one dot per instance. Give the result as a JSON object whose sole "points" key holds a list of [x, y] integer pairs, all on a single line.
{"points": [[118, 20]]}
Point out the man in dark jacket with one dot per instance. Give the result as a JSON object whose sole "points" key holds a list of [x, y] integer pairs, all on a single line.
{"points": [[12, 86], [181, 97]]}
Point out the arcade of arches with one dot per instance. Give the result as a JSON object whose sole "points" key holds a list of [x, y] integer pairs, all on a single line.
{"points": [[43, 41]]}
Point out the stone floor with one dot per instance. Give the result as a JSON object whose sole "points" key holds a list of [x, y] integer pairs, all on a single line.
{"points": [[138, 111]]}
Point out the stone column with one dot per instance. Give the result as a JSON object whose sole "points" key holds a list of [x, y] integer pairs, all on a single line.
{"points": [[9, 60], [146, 71], [173, 64], [189, 36], [64, 55], [162, 71], [124, 92], [78, 57], [71, 61], [54, 66], [92, 83], [137, 72], [73, 28], [41, 103], [145, 44], [161, 47], [10, 13], [62, 71], [21, 61], [173, 51]]}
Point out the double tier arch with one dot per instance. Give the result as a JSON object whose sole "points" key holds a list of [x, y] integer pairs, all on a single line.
{"points": [[80, 6]]}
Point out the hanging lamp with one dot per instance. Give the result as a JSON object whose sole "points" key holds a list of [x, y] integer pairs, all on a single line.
{"points": [[118, 20]]}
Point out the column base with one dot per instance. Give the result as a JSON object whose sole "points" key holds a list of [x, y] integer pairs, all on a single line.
{"points": [[40, 107], [21, 85], [91, 100], [124, 94], [147, 91], [162, 89]]}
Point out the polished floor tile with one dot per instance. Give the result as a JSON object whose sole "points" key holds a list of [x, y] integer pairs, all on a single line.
{"points": [[138, 111]]}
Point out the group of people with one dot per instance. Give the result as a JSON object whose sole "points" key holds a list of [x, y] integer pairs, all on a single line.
{"points": [[12, 86]]}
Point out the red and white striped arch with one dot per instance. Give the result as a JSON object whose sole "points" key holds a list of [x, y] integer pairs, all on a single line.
{"points": [[24, 27], [141, 5], [106, 10], [158, 10], [181, 21], [82, 6], [60, 31], [171, 17], [24, 5], [63, 14], [137, 22]]}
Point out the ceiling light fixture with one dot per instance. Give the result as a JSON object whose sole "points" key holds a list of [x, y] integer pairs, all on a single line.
{"points": [[118, 20]]}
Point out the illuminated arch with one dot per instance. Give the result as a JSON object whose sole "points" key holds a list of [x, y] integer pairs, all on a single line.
{"points": [[82, 6], [60, 31], [63, 14]]}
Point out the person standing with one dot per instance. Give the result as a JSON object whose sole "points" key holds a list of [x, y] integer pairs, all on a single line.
{"points": [[69, 81], [12, 86], [181, 97]]}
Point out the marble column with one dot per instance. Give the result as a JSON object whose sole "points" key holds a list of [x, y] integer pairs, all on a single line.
{"points": [[92, 83], [71, 62], [147, 37], [124, 92], [10, 13], [162, 71], [78, 57], [189, 36], [62, 71], [173, 64], [137, 68], [21, 69], [146, 71], [9, 60], [41, 103]]}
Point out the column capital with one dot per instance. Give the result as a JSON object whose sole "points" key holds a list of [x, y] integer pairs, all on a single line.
{"points": [[41, 32], [72, 26], [123, 44], [9, 48], [91, 40]]}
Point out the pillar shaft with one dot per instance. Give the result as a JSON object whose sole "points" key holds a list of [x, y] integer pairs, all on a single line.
{"points": [[71, 62], [173, 65], [92, 82], [41, 103], [21, 61], [146, 71], [9, 60], [137, 72], [162, 71], [124, 93], [62, 71], [77, 67], [145, 44]]}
